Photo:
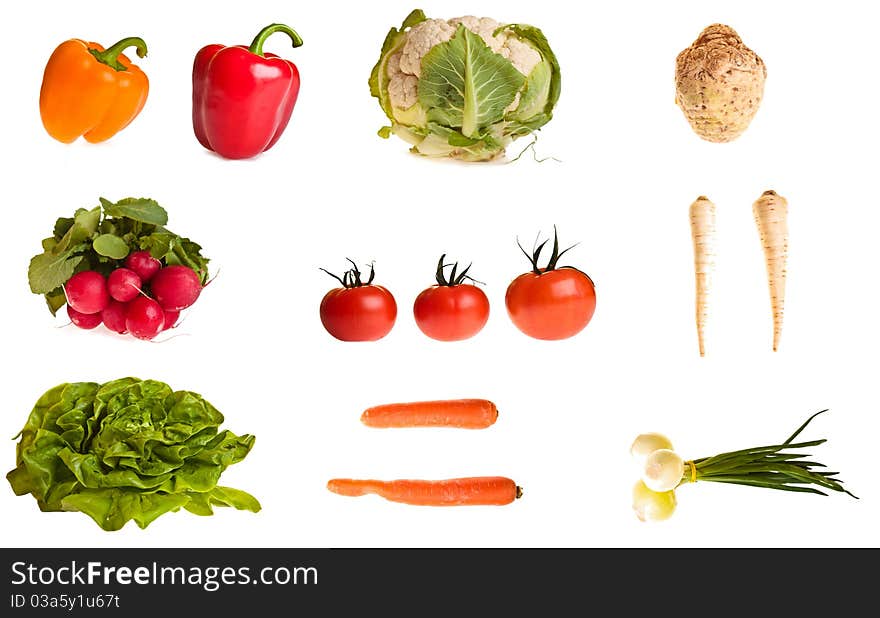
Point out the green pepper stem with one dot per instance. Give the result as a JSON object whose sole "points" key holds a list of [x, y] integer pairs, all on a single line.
{"points": [[110, 56], [257, 45]]}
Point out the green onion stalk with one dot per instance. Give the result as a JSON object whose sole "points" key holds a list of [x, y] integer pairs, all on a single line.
{"points": [[773, 467]]}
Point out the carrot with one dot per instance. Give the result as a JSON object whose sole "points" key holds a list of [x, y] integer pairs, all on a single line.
{"points": [[481, 490], [771, 215], [702, 214], [461, 413]]}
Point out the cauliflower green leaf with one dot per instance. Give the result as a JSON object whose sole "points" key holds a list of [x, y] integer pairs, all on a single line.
{"points": [[543, 85], [465, 85]]}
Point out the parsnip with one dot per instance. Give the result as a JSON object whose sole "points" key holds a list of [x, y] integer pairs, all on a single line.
{"points": [[702, 214], [771, 215]]}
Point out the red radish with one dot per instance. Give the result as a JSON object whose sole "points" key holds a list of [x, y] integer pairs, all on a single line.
{"points": [[87, 292], [171, 318], [123, 285], [87, 321], [144, 318], [114, 316], [144, 264], [176, 287]]}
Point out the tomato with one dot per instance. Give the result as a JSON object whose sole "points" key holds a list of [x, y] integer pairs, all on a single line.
{"points": [[451, 310], [552, 302], [358, 311]]}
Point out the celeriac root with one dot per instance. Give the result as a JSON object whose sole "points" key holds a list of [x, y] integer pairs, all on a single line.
{"points": [[719, 84]]}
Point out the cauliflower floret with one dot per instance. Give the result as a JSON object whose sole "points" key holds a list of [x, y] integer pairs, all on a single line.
{"points": [[405, 67], [419, 42], [404, 92], [522, 56], [484, 27], [393, 65], [402, 88]]}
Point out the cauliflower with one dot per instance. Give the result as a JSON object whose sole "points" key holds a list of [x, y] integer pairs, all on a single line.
{"points": [[464, 87], [405, 67]]}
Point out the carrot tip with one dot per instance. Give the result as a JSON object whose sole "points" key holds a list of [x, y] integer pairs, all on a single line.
{"points": [[347, 487], [519, 492]]}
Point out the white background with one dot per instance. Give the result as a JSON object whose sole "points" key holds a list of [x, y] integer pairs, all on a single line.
{"points": [[331, 189]]}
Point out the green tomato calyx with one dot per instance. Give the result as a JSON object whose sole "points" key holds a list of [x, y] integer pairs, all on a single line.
{"points": [[352, 277]]}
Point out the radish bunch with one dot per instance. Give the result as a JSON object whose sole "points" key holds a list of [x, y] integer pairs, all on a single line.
{"points": [[118, 264], [141, 298]]}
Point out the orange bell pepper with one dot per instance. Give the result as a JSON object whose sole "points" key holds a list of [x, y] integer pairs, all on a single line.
{"points": [[92, 92]]}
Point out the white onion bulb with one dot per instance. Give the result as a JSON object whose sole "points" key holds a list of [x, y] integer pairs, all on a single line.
{"points": [[647, 443], [651, 505], [663, 470]]}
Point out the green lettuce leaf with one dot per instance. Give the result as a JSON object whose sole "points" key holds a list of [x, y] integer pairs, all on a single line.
{"points": [[113, 508], [127, 450], [201, 503]]}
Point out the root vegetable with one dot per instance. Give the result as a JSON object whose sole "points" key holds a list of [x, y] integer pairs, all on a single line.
{"points": [[486, 490], [144, 264], [719, 84], [663, 470], [176, 287], [144, 318], [171, 318], [771, 216], [86, 321], [647, 443], [460, 413], [87, 292], [123, 285], [114, 316], [702, 213], [652, 505]]}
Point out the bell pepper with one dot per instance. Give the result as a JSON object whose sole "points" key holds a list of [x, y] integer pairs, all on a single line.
{"points": [[242, 97], [92, 92]]}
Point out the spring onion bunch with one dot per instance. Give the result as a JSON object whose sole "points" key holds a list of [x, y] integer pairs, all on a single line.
{"points": [[778, 466]]}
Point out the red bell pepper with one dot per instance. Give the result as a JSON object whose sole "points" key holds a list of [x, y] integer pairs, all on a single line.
{"points": [[242, 97]]}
